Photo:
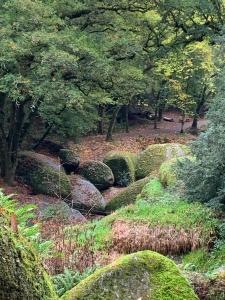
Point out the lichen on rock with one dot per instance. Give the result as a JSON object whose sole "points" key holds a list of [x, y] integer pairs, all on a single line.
{"points": [[42, 174], [97, 173], [144, 275]]}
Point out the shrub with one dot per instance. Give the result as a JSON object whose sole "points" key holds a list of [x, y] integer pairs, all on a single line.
{"points": [[122, 165], [98, 174]]}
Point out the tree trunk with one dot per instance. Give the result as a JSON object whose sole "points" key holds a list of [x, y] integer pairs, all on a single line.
{"points": [[195, 123], [182, 124], [46, 133], [100, 121], [112, 123], [160, 114], [127, 118], [155, 118]]}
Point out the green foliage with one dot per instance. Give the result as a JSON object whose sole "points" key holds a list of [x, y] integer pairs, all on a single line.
{"points": [[24, 215], [204, 177], [67, 280], [204, 261]]}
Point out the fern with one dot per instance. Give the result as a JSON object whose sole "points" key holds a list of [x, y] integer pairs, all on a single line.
{"points": [[23, 215], [67, 280]]}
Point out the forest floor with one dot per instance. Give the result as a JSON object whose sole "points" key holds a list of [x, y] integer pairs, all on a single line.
{"points": [[94, 147], [139, 137]]}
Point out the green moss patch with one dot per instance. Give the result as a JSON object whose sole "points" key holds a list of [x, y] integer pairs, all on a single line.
{"points": [[143, 275], [21, 276], [151, 159], [122, 165], [128, 196]]}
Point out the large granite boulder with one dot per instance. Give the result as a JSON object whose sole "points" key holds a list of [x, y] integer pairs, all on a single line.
{"points": [[122, 165], [85, 195], [97, 173], [43, 175], [150, 160], [69, 160], [144, 275]]}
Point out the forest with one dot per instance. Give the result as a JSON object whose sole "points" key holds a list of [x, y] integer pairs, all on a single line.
{"points": [[112, 160]]}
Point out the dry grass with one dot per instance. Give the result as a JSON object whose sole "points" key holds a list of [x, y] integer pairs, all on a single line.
{"points": [[128, 238]]}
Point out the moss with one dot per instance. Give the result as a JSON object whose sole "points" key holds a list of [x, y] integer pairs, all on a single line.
{"points": [[22, 275], [151, 159], [122, 165], [43, 175], [152, 189], [128, 196], [69, 160], [97, 173], [144, 275], [167, 172]]}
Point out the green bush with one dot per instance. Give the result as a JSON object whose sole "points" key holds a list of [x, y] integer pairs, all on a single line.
{"points": [[97, 173], [122, 165], [143, 275], [151, 159]]}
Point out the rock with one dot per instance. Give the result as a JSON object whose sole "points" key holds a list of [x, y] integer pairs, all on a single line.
{"points": [[127, 196], [144, 275], [22, 275], [150, 160], [122, 165], [60, 211], [85, 196], [42, 174], [97, 173], [51, 147], [69, 160]]}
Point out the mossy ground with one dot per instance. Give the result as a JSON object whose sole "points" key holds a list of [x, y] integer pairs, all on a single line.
{"points": [[144, 275], [122, 165]]}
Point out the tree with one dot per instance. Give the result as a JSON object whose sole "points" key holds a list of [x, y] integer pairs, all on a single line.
{"points": [[44, 70], [204, 177]]}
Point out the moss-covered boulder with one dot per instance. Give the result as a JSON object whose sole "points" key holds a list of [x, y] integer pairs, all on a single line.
{"points": [[144, 275], [85, 195], [97, 173], [42, 174], [122, 165], [128, 196], [21, 273], [69, 160], [150, 160]]}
